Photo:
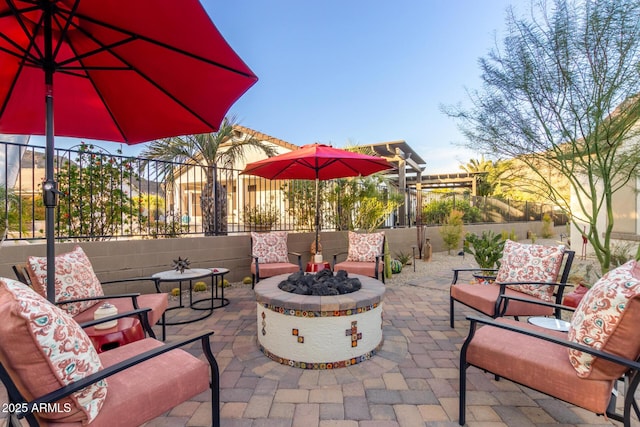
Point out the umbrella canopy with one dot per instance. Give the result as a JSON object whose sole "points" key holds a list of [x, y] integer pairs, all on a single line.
{"points": [[318, 162], [123, 71]]}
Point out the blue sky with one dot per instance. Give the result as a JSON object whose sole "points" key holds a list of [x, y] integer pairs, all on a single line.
{"points": [[361, 71], [356, 71]]}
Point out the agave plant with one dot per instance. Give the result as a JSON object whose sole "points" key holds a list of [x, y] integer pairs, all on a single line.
{"points": [[486, 248]]}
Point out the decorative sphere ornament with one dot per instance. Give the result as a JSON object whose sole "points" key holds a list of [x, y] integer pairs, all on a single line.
{"points": [[181, 264]]}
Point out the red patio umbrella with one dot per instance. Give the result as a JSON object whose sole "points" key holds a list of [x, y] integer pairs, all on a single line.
{"points": [[124, 71], [319, 162]]}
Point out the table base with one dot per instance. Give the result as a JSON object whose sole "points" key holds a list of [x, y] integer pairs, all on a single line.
{"points": [[200, 308]]}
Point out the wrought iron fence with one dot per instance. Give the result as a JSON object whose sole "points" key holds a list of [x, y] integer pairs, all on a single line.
{"points": [[111, 196]]}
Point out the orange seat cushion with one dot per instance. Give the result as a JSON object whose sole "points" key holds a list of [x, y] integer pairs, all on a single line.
{"points": [[274, 269], [483, 298], [44, 349], [160, 384], [363, 268], [538, 364]]}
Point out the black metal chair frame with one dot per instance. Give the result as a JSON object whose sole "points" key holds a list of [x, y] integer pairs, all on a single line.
{"points": [[18, 401], [631, 377], [22, 276], [500, 305]]}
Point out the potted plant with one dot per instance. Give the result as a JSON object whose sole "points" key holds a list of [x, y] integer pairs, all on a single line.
{"points": [[261, 217], [486, 250]]}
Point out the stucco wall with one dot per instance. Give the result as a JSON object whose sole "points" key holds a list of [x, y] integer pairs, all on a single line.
{"points": [[135, 258]]}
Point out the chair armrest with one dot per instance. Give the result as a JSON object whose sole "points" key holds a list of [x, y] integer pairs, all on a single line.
{"points": [[457, 271], [121, 366], [631, 364], [299, 255], [536, 301], [335, 257], [559, 285], [134, 279], [140, 313], [132, 295], [502, 297]]}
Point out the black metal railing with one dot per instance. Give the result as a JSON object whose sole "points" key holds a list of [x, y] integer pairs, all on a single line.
{"points": [[111, 196]]}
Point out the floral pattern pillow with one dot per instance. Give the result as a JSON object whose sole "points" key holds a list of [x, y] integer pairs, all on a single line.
{"points": [[50, 350], [74, 279], [523, 262], [600, 314], [270, 247], [365, 247]]}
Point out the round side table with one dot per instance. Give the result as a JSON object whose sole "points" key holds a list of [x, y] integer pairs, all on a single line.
{"points": [[189, 276]]}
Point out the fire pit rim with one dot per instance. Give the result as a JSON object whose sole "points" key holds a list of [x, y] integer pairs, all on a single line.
{"points": [[372, 291]]}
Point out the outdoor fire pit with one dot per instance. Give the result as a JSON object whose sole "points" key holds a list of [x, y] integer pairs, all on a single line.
{"points": [[327, 331], [323, 283]]}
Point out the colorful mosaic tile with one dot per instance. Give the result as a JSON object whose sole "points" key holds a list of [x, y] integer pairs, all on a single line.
{"points": [[308, 313], [322, 365]]}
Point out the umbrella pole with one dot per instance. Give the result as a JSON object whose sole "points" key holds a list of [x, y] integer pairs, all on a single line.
{"points": [[49, 187], [317, 215], [49, 194]]}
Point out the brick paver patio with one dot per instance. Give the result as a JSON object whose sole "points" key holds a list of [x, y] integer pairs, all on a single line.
{"points": [[411, 382]]}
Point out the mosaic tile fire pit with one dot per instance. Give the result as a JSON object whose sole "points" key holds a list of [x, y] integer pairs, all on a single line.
{"points": [[319, 332]]}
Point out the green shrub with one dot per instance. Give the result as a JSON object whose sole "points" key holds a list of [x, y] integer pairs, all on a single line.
{"points": [[511, 235], [451, 231], [438, 211], [547, 226]]}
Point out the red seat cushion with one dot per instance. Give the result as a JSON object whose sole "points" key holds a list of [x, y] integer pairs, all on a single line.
{"points": [[363, 268], [274, 269], [536, 363], [483, 298], [160, 384]]}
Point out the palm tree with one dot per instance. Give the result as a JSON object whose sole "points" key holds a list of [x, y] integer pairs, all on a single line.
{"points": [[496, 177], [208, 150]]}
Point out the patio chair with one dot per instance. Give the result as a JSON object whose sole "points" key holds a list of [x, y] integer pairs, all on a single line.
{"points": [[80, 293], [365, 255], [54, 375], [270, 256], [581, 366], [526, 270]]}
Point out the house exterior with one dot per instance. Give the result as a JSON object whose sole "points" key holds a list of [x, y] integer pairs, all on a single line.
{"points": [[626, 221], [240, 190]]}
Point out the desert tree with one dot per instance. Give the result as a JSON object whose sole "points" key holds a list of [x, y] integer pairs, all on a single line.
{"points": [[561, 93]]}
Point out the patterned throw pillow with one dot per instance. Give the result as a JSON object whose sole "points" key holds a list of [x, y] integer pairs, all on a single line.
{"points": [[607, 319], [74, 279], [270, 247], [530, 263], [47, 350], [365, 247]]}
